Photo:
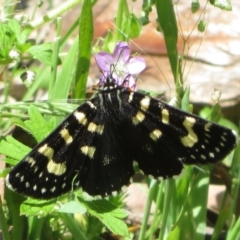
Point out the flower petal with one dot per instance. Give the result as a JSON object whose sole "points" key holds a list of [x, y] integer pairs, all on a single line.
{"points": [[104, 61], [136, 65], [121, 52]]}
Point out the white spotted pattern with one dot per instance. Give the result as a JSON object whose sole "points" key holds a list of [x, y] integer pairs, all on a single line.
{"points": [[56, 168], [144, 103], [81, 117], [155, 134], [88, 151], [66, 136], [191, 138], [138, 118]]}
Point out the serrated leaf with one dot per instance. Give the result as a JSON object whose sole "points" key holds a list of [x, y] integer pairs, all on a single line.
{"points": [[108, 214], [13, 148], [115, 225], [32, 207], [42, 52], [11, 161], [24, 35], [20, 123], [15, 27], [37, 125], [72, 207], [6, 40]]}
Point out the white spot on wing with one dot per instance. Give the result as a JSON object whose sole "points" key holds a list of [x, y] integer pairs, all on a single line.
{"points": [[31, 161], [223, 138], [88, 151], [144, 103], [165, 116], [91, 104], [211, 155], [81, 117], [56, 168], [130, 98], [21, 178], [43, 190], [155, 134], [207, 126], [53, 189], [207, 135], [92, 127], [46, 151], [139, 117], [66, 136], [107, 159], [191, 138]]}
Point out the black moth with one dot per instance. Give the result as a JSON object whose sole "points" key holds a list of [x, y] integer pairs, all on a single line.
{"points": [[96, 146]]}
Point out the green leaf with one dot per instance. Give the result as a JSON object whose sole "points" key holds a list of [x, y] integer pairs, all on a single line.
{"points": [[37, 125], [24, 35], [42, 52], [20, 123], [72, 207], [6, 41], [84, 49], [132, 27], [168, 24], [175, 232], [4, 172], [11, 161], [73, 226], [34, 207], [13, 148], [108, 214], [23, 47], [185, 100], [16, 28], [65, 77]]}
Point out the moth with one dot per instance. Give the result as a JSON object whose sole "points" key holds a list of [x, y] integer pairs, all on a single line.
{"points": [[96, 147]]}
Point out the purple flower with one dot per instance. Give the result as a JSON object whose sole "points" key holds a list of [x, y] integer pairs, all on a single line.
{"points": [[120, 65]]}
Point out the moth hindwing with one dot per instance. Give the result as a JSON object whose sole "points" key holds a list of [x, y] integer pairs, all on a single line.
{"points": [[96, 146]]}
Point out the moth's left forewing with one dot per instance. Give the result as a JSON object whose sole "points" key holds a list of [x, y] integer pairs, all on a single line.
{"points": [[53, 166]]}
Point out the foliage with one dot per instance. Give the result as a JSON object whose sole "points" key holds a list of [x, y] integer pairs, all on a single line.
{"points": [[180, 213]]}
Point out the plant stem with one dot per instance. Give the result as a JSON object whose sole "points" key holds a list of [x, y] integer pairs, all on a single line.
{"points": [[53, 13]]}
